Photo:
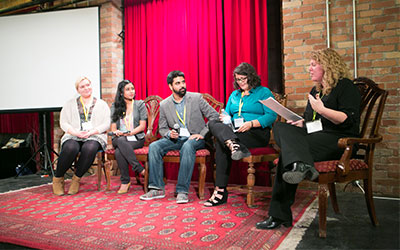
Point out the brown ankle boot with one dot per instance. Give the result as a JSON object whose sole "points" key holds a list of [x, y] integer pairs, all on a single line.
{"points": [[58, 185], [74, 188]]}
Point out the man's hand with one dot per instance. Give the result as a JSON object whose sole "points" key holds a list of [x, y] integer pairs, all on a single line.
{"points": [[196, 137], [173, 134]]}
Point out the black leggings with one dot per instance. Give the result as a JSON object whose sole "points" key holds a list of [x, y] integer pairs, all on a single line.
{"points": [[125, 155], [70, 150], [253, 138]]}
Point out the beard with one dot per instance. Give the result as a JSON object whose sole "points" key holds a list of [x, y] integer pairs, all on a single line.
{"points": [[181, 92]]}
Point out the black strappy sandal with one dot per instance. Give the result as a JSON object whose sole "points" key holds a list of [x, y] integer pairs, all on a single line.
{"points": [[218, 198]]}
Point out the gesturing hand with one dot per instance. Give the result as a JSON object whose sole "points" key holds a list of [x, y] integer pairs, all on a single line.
{"points": [[316, 103]]}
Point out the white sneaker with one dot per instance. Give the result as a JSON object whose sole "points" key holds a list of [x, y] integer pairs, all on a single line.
{"points": [[153, 194], [182, 198]]}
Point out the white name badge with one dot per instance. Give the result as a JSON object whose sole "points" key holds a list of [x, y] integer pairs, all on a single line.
{"points": [[86, 126], [184, 132], [131, 138], [238, 122], [314, 126]]}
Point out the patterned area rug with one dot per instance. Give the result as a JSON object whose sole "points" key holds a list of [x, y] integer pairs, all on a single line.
{"points": [[36, 218]]}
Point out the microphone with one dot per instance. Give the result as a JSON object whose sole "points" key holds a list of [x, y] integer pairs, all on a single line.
{"points": [[176, 127], [112, 133]]}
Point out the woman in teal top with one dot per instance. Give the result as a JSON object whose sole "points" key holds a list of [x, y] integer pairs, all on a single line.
{"points": [[251, 122]]}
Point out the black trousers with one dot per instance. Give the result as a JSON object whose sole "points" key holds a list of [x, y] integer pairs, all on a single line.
{"points": [[126, 156], [296, 145], [253, 138], [70, 150]]}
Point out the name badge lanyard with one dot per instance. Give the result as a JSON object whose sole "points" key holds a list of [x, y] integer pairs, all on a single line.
{"points": [[315, 112], [85, 110], [184, 116], [128, 119], [241, 104]]}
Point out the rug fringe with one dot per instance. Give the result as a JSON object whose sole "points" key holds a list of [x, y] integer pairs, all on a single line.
{"points": [[299, 229]]}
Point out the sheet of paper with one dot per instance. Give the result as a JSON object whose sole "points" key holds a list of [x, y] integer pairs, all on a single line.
{"points": [[280, 109]]}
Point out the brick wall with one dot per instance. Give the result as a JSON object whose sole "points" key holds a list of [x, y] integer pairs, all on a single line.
{"points": [[378, 23]]}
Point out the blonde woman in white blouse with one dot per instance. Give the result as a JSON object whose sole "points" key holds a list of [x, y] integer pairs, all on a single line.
{"points": [[85, 120]]}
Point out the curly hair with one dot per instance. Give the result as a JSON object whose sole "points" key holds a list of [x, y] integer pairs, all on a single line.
{"points": [[245, 69], [334, 68], [119, 102]]}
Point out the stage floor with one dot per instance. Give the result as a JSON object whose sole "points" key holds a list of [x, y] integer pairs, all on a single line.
{"points": [[351, 229]]}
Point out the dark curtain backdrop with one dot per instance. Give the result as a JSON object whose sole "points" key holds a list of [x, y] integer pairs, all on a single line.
{"points": [[205, 39]]}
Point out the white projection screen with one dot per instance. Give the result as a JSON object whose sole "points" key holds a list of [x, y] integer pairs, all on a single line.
{"points": [[42, 55]]}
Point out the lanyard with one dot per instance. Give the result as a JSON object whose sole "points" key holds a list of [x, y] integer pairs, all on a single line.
{"points": [[241, 104], [314, 112], [128, 119], [85, 111], [184, 116]]}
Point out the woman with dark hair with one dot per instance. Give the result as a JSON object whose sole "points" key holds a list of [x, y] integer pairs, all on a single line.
{"points": [[128, 122], [251, 122]]}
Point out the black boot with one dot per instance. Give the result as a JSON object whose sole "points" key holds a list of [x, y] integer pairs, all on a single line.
{"points": [[299, 172]]}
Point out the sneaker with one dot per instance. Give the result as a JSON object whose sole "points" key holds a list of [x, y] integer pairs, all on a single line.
{"points": [[300, 172], [182, 198], [153, 194], [238, 150]]}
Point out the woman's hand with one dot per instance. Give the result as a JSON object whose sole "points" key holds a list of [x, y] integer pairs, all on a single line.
{"points": [[316, 103], [82, 134], [299, 123], [245, 127], [118, 133]]}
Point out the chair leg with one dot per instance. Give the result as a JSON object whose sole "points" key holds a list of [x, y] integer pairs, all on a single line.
{"points": [[107, 173], [99, 170], [202, 180], [146, 177], [250, 184], [332, 195], [322, 204], [370, 201]]}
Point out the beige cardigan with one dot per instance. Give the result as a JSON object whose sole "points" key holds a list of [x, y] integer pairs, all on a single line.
{"points": [[69, 118]]}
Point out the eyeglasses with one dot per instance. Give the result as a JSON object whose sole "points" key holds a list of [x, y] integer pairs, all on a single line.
{"points": [[241, 79]]}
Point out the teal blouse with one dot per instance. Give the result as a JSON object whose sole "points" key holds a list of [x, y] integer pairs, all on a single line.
{"points": [[252, 109]]}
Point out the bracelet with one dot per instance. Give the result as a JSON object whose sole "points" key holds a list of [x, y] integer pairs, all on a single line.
{"points": [[251, 123]]}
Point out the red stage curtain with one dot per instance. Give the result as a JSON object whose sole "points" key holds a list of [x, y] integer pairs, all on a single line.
{"points": [[245, 38], [186, 35], [205, 39]]}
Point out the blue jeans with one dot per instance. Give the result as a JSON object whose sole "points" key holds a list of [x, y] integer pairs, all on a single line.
{"points": [[159, 148]]}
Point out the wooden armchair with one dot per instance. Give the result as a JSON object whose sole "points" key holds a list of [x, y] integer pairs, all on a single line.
{"points": [[259, 155], [359, 167]]}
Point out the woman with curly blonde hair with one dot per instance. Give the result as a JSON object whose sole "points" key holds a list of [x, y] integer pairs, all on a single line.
{"points": [[332, 112]]}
